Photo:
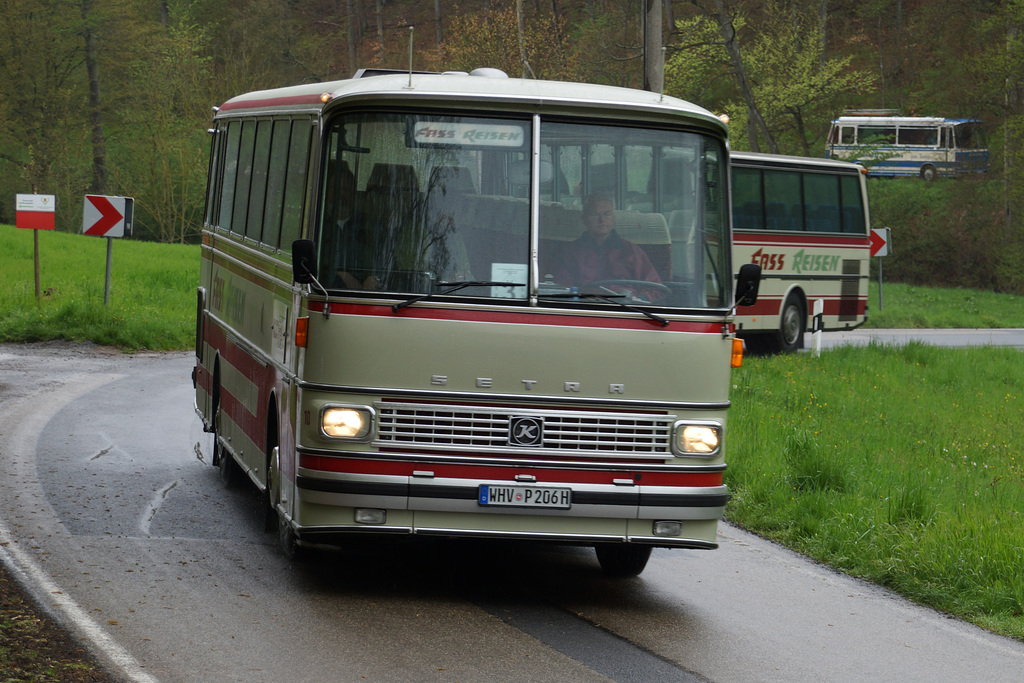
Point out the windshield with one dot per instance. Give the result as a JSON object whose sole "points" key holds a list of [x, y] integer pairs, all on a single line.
{"points": [[441, 205]]}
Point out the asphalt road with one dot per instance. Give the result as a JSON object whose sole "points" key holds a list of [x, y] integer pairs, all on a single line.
{"points": [[110, 510], [948, 338]]}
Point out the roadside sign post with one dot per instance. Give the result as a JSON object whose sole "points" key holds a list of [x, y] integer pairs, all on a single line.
{"points": [[35, 212], [109, 217], [880, 240], [817, 310]]}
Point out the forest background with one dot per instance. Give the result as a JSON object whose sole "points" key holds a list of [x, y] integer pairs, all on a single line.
{"points": [[114, 96]]}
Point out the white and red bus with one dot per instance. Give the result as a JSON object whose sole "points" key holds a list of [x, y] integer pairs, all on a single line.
{"points": [[384, 345], [805, 222]]}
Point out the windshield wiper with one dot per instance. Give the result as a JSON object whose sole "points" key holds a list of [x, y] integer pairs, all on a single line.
{"points": [[609, 298], [454, 287]]}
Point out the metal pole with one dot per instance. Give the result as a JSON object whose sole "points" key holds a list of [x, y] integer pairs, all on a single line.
{"points": [[35, 242], [879, 284], [106, 288]]}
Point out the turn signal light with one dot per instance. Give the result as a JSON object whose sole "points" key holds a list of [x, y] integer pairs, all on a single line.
{"points": [[301, 331], [737, 352]]}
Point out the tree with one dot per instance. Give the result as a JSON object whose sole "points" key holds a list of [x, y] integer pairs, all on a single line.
{"points": [[499, 39], [41, 96], [788, 89], [755, 122], [798, 87], [99, 147], [163, 164]]}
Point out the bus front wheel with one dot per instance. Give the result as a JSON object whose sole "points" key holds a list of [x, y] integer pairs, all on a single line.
{"points": [[287, 539], [928, 172]]}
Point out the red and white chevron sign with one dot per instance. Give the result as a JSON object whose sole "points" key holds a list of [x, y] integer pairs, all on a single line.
{"points": [[107, 216]]}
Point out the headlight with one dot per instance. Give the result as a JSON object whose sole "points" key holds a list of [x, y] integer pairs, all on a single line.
{"points": [[346, 422], [698, 439]]}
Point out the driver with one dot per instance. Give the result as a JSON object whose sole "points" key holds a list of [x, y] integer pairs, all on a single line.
{"points": [[599, 254]]}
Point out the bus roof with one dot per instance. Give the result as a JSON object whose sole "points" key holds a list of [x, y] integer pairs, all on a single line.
{"points": [[784, 161], [899, 120], [483, 85]]}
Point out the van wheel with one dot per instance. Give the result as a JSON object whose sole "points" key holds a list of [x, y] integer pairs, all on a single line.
{"points": [[792, 325], [622, 561], [928, 173]]}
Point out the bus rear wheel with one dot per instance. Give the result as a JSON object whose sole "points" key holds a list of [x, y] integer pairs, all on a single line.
{"points": [[622, 561], [792, 324], [928, 172], [225, 462]]}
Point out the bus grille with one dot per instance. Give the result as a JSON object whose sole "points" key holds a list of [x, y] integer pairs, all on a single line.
{"points": [[565, 432]]}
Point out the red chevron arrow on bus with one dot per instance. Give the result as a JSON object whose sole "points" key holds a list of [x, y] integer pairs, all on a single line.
{"points": [[109, 216]]}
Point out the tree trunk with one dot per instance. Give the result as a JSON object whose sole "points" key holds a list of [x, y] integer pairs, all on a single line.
{"points": [[353, 33], [437, 21], [99, 147], [380, 33], [654, 67], [1011, 152], [521, 25], [755, 122]]}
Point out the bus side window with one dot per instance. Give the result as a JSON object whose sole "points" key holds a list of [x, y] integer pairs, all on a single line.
{"points": [[823, 214], [853, 209], [785, 211], [244, 178], [295, 183], [230, 174], [747, 199]]}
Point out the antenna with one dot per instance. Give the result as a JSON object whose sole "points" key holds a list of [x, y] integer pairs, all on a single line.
{"points": [[412, 30], [661, 90]]}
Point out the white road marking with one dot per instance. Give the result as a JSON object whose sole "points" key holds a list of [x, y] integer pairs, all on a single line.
{"points": [[28, 418]]}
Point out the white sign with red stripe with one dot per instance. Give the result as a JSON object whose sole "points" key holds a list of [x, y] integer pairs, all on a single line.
{"points": [[879, 241], [107, 216], [35, 211]]}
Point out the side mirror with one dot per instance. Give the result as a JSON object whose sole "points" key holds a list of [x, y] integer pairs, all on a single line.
{"points": [[303, 261], [747, 283]]}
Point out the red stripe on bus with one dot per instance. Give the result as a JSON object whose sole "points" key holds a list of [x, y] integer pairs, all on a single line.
{"points": [[773, 305], [312, 98], [517, 318], [488, 472], [803, 239], [263, 376]]}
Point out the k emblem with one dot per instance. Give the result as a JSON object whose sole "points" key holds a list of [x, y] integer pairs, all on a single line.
{"points": [[525, 431]]}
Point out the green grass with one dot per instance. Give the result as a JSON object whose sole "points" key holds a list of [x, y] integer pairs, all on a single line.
{"points": [[909, 306], [901, 465], [152, 291]]}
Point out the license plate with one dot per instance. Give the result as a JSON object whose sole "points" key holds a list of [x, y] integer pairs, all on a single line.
{"points": [[525, 496]]}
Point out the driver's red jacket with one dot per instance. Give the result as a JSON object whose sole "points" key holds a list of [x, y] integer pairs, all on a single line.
{"points": [[586, 261]]}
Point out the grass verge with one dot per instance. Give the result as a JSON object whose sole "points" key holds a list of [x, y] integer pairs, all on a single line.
{"points": [[901, 465], [33, 647], [909, 306], [152, 291]]}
